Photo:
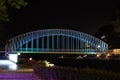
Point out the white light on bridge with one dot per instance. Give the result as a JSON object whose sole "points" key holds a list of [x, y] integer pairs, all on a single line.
{"points": [[18, 53], [98, 46], [13, 57]]}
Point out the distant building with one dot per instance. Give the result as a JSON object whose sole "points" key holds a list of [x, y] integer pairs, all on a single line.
{"points": [[114, 51]]}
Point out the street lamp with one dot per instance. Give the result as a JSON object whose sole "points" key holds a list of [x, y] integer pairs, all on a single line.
{"points": [[98, 46], [18, 53]]}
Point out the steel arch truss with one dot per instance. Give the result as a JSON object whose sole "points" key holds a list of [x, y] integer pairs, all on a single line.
{"points": [[55, 40]]}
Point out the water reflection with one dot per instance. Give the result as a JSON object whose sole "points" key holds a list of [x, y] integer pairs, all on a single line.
{"points": [[7, 65]]}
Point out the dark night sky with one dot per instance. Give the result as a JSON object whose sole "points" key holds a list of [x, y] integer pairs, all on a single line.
{"points": [[81, 16]]}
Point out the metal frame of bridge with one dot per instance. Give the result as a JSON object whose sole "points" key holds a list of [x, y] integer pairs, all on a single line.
{"points": [[55, 41]]}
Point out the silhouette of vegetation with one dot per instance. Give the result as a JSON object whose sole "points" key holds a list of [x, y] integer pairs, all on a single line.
{"points": [[111, 31], [68, 73], [115, 19], [111, 36], [5, 4], [4, 15]]}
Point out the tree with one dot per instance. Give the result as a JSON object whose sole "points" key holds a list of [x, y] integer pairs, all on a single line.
{"points": [[110, 36], [115, 19], [111, 31], [4, 15], [116, 25], [4, 4]]}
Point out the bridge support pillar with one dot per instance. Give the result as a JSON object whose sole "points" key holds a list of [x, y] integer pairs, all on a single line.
{"points": [[13, 57]]}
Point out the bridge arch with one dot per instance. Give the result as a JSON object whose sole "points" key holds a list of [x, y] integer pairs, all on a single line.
{"points": [[55, 40]]}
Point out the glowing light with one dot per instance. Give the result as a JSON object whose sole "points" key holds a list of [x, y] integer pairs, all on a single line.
{"points": [[98, 55], [85, 56], [116, 51], [79, 57], [30, 58], [13, 67], [51, 65], [108, 55], [103, 37], [13, 57], [98, 46], [18, 53], [48, 64], [61, 57], [10, 65]]}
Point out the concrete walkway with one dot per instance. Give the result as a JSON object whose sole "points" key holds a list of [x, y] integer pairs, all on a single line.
{"points": [[10, 71], [16, 76]]}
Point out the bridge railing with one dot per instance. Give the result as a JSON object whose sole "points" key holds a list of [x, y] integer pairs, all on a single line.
{"points": [[57, 50]]}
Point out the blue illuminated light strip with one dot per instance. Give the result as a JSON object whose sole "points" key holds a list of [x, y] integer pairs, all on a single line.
{"points": [[67, 40], [71, 43], [32, 44], [20, 44], [53, 42], [58, 42], [26, 45], [63, 42], [78, 44], [43, 43], [37, 43], [47, 42]]}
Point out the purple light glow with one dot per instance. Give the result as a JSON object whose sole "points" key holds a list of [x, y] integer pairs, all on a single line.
{"points": [[16, 76]]}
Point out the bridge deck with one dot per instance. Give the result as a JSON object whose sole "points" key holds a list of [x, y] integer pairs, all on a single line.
{"points": [[57, 52]]}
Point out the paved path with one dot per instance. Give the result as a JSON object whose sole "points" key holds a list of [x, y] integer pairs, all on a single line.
{"points": [[16, 76], [9, 71]]}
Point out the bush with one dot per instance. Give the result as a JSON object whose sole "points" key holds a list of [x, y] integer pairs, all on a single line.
{"points": [[67, 73]]}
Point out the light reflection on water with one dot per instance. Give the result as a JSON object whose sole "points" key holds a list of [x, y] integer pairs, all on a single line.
{"points": [[7, 65]]}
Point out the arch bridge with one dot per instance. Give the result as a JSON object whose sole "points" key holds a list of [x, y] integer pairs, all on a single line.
{"points": [[55, 41]]}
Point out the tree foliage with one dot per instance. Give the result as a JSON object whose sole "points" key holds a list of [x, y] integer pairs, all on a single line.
{"points": [[115, 19], [111, 36], [4, 4], [116, 25]]}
